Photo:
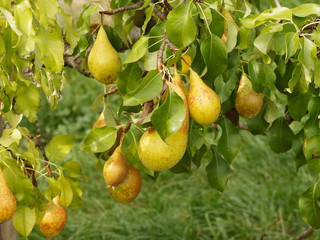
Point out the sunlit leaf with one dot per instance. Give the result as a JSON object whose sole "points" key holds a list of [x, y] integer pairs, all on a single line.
{"points": [[59, 147], [24, 219]]}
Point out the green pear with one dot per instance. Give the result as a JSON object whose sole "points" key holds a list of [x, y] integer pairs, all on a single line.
{"points": [[115, 169], [104, 62], [204, 104], [8, 203], [248, 103], [157, 155], [54, 220]]}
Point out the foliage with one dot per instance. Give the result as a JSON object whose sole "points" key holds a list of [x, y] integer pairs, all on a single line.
{"points": [[277, 47]]}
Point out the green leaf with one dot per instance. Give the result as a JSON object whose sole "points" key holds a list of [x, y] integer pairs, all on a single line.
{"points": [[272, 111], [298, 104], [148, 15], [180, 27], [66, 193], [280, 136], [258, 124], [73, 169], [84, 22], [129, 78], [149, 88], [10, 136], [199, 155], [292, 43], [71, 35], [218, 171], [53, 189], [309, 206], [215, 56], [48, 9], [306, 10], [156, 37], [279, 13], [24, 219], [10, 19], [139, 49], [263, 42], [312, 124], [217, 23], [316, 74], [298, 82], [168, 118], [308, 53], [230, 142], [51, 47], [243, 38], [77, 193], [59, 147], [27, 101], [99, 140], [311, 147], [184, 165], [232, 37]]}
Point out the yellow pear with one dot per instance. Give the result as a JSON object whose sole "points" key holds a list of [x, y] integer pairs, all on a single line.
{"points": [[185, 67], [115, 169], [104, 62], [8, 203], [204, 104], [157, 155], [248, 102], [54, 220], [130, 187]]}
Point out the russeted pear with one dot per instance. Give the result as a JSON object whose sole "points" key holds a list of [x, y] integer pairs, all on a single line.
{"points": [[104, 62], [204, 104], [115, 169], [157, 155], [129, 188], [54, 220], [8, 203], [248, 103]]}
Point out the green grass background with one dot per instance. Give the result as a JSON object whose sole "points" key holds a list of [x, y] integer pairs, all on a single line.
{"points": [[261, 198]]}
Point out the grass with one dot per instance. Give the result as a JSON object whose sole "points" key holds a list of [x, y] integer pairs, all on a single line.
{"points": [[261, 198]]}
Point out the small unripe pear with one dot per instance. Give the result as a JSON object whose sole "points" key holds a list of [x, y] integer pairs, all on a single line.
{"points": [[115, 169], [129, 188], [54, 220], [204, 104], [8, 203], [248, 103], [104, 62], [157, 155]]}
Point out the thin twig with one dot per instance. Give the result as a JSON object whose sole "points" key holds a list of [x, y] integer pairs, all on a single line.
{"points": [[122, 9], [160, 57], [127, 127], [277, 3], [114, 90], [40, 146], [159, 14], [307, 232], [147, 108]]}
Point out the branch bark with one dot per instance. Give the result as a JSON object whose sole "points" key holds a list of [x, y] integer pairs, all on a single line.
{"points": [[122, 9], [307, 232]]}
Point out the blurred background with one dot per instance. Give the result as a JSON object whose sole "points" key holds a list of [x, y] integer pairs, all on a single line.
{"points": [[260, 200]]}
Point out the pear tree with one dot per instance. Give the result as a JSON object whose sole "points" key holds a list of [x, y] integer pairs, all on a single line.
{"points": [[187, 76]]}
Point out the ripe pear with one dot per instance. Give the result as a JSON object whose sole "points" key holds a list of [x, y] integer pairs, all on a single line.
{"points": [[129, 188], [8, 203], [204, 104], [54, 220], [248, 103], [185, 67], [115, 169], [157, 155], [104, 62]]}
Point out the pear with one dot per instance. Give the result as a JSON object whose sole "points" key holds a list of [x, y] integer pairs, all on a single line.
{"points": [[115, 169], [104, 62], [248, 103], [157, 155], [204, 104], [185, 67], [130, 187], [54, 220], [8, 203]]}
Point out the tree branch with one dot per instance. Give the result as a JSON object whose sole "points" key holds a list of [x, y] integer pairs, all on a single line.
{"points": [[159, 14], [76, 63], [114, 90], [39, 145], [122, 9], [307, 232]]}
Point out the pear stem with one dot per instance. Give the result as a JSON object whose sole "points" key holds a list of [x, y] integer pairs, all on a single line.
{"points": [[277, 3], [114, 90], [173, 48]]}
